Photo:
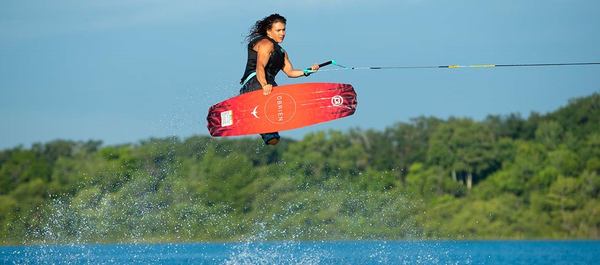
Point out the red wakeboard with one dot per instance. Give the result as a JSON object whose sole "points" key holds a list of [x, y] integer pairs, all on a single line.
{"points": [[287, 107]]}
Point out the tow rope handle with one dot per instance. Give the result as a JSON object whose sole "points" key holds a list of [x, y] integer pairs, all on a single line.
{"points": [[307, 71]]}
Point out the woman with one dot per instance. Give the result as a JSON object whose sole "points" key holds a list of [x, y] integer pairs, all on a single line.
{"points": [[266, 58]]}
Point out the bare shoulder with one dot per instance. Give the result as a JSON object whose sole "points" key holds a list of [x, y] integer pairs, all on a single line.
{"points": [[264, 45]]}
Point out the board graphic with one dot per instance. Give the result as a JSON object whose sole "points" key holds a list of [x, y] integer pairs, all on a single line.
{"points": [[287, 107]]}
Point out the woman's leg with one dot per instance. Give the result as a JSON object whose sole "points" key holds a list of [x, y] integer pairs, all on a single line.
{"points": [[270, 138]]}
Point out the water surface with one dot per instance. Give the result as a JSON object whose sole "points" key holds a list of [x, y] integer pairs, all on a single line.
{"points": [[326, 252]]}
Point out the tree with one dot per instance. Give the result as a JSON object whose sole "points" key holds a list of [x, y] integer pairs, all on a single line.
{"points": [[21, 167], [550, 134], [224, 178], [581, 116], [463, 146], [320, 156], [402, 144], [511, 126]]}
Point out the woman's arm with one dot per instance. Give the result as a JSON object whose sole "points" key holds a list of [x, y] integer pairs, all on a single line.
{"points": [[263, 48], [289, 70]]}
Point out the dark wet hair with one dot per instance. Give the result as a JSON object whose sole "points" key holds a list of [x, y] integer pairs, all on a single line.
{"points": [[260, 27]]}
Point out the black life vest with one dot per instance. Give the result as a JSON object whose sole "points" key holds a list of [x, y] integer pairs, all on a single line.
{"points": [[276, 61]]}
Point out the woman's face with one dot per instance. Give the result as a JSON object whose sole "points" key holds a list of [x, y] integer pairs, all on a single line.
{"points": [[277, 32]]}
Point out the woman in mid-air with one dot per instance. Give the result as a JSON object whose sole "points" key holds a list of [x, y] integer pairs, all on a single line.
{"points": [[265, 59]]}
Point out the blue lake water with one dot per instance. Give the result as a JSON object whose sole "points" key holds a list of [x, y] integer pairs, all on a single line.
{"points": [[327, 252]]}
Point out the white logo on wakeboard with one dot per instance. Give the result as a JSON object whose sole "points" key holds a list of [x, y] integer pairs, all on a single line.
{"points": [[254, 112], [337, 100], [226, 118], [280, 108]]}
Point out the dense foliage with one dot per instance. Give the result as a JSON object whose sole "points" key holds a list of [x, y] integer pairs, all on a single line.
{"points": [[504, 177]]}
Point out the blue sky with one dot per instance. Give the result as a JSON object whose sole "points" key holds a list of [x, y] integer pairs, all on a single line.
{"points": [[122, 71]]}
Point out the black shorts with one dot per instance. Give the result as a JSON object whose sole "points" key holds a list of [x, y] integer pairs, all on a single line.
{"points": [[253, 85]]}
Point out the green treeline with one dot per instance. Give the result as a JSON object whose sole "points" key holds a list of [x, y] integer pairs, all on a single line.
{"points": [[505, 177]]}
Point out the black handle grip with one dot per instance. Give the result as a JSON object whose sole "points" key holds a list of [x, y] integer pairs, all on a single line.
{"points": [[308, 70], [325, 63], [320, 65]]}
